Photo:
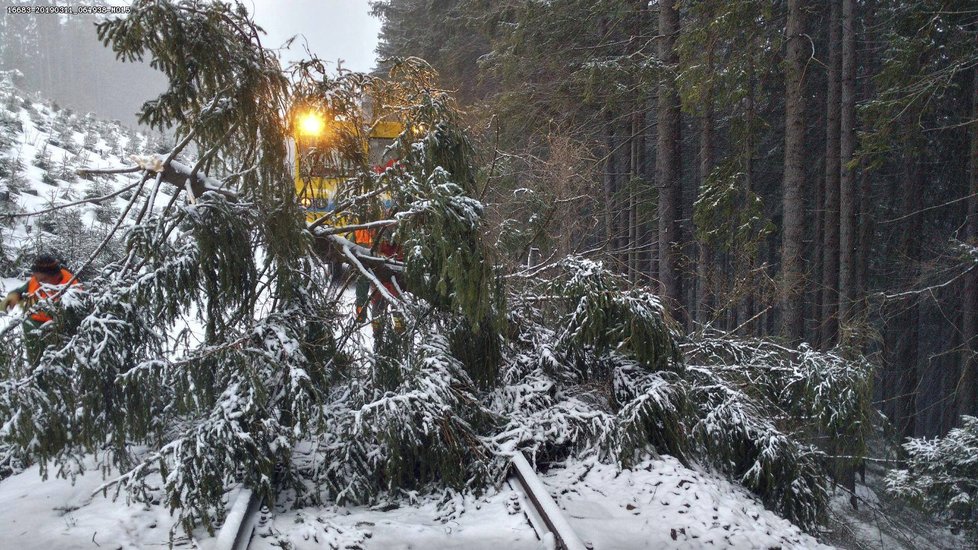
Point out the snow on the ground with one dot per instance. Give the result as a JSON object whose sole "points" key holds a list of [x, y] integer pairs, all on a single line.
{"points": [[883, 523], [487, 523], [41, 128], [662, 504], [659, 504], [54, 514]]}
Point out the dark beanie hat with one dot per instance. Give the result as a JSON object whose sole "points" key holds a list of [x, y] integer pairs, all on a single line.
{"points": [[46, 263]]}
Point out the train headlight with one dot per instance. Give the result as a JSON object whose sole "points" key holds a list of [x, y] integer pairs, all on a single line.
{"points": [[311, 124]]}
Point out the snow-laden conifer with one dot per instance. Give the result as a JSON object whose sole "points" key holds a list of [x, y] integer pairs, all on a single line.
{"points": [[941, 475]]}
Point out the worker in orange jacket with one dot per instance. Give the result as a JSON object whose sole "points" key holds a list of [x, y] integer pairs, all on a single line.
{"points": [[48, 278], [366, 237]]}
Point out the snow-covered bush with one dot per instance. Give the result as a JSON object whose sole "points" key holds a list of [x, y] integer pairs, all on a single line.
{"points": [[772, 413], [754, 410], [43, 159], [105, 212], [63, 131], [942, 476], [90, 141]]}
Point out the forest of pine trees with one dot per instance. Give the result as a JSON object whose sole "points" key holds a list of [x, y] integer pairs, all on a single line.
{"points": [[805, 170]]}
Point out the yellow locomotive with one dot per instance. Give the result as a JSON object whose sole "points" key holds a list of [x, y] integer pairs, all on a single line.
{"points": [[328, 150], [331, 154]]}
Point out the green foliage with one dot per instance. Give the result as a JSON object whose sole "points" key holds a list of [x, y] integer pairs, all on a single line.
{"points": [[445, 264], [771, 413], [728, 215], [427, 427], [228, 94], [227, 266], [942, 476], [772, 418], [653, 411], [929, 53], [723, 46], [439, 224], [596, 311]]}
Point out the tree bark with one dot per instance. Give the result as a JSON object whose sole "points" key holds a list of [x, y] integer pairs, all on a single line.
{"points": [[652, 221], [849, 196], [908, 320], [969, 308], [706, 261], [634, 229], [624, 203], [628, 201], [610, 184], [792, 268], [829, 325], [668, 165], [746, 270]]}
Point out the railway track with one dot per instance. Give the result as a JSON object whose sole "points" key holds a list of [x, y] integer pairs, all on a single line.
{"points": [[542, 512]]}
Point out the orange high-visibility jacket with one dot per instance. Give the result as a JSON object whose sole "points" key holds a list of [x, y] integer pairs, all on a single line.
{"points": [[36, 292]]}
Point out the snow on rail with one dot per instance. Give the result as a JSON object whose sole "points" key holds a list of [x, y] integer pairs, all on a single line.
{"points": [[240, 523], [543, 512]]}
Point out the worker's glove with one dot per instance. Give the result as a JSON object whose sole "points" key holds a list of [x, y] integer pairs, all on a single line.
{"points": [[11, 300]]}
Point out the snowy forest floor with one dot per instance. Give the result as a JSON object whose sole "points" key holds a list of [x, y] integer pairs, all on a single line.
{"points": [[881, 522], [659, 504]]}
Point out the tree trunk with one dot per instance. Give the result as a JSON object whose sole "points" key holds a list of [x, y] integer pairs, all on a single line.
{"points": [[668, 164], [651, 222], [641, 266], [969, 298], [849, 197], [610, 184], [792, 269], [624, 167], [746, 270], [707, 162], [637, 144], [829, 325], [908, 320], [632, 233]]}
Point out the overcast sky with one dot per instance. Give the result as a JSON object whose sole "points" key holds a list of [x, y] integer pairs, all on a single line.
{"points": [[333, 29]]}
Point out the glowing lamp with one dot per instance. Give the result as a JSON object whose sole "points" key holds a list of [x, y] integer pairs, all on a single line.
{"points": [[311, 124]]}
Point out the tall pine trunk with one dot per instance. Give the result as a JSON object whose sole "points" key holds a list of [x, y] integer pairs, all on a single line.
{"points": [[650, 222], [908, 319], [635, 226], [628, 202], [668, 164], [969, 308], [792, 268], [867, 226], [745, 271], [849, 197], [610, 183], [706, 262], [829, 325]]}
